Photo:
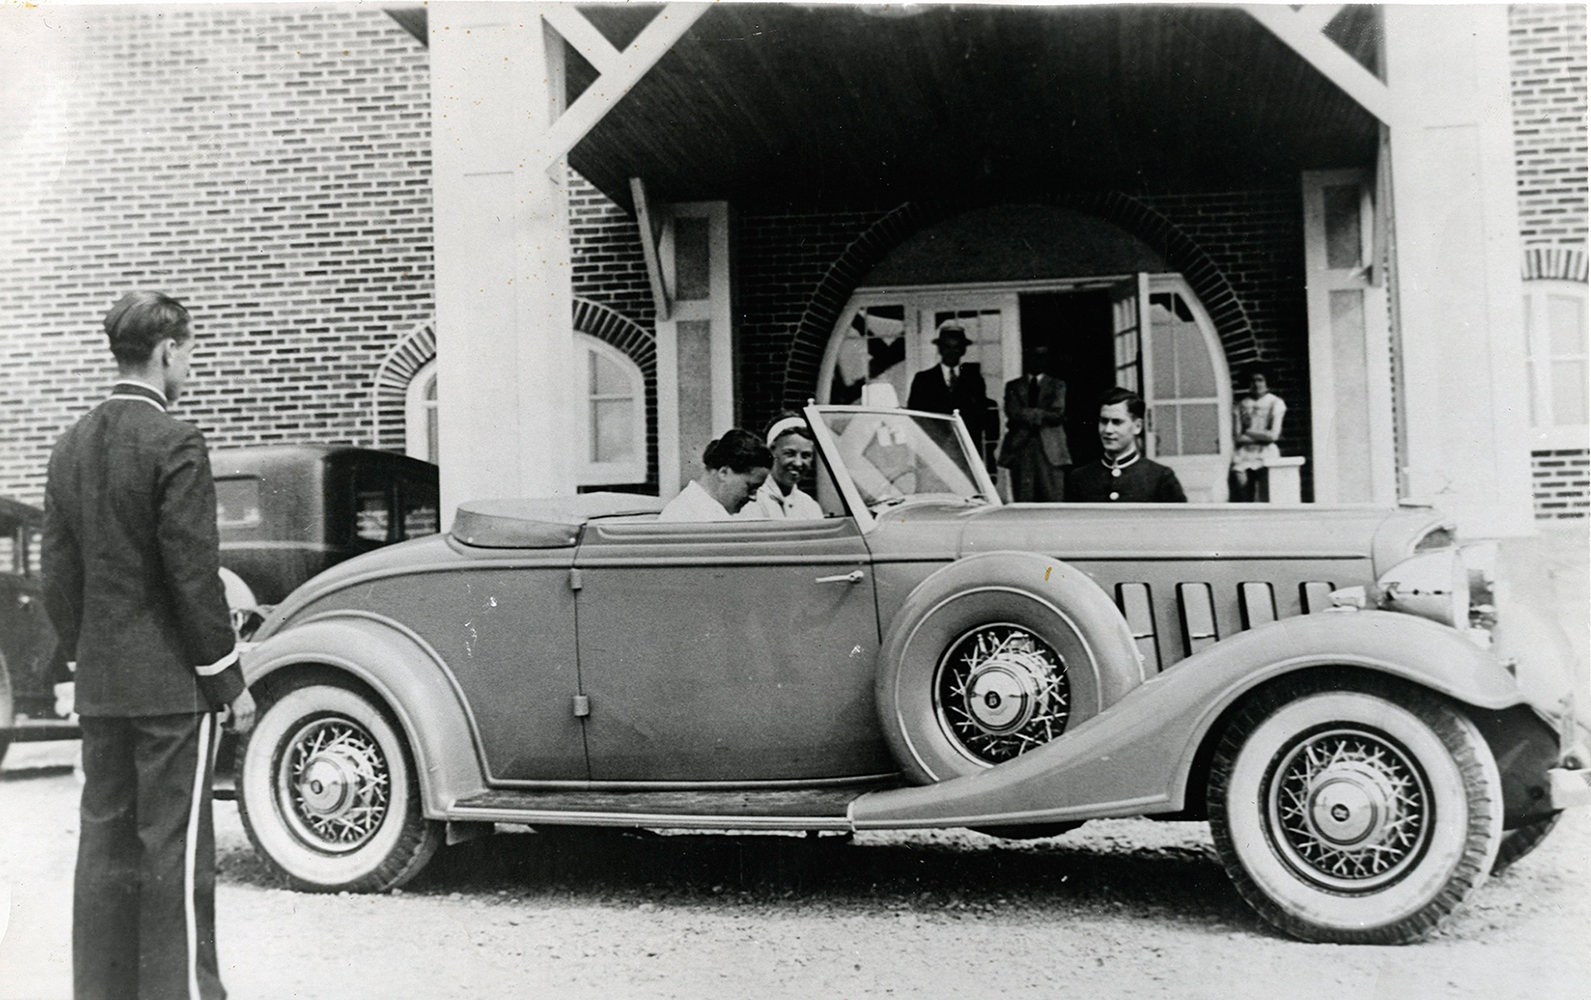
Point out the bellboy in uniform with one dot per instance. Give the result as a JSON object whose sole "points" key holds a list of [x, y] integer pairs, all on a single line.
{"points": [[1123, 474], [131, 556]]}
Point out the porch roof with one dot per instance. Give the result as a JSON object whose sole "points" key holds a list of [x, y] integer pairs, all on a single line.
{"points": [[766, 105]]}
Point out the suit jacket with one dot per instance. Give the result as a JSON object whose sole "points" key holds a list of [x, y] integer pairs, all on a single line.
{"points": [[929, 392], [1023, 425], [1140, 481], [131, 559]]}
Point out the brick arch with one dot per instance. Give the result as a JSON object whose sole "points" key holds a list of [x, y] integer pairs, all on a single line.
{"points": [[418, 348], [828, 300], [1554, 264]]}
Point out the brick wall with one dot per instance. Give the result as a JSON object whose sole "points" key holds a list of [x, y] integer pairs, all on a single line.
{"points": [[1547, 47], [269, 166]]}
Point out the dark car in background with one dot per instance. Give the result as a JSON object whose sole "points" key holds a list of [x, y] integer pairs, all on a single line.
{"points": [[287, 512], [27, 695]]}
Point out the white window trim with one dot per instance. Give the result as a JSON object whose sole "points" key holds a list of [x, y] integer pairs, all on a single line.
{"points": [[1550, 437], [416, 409], [588, 473]]}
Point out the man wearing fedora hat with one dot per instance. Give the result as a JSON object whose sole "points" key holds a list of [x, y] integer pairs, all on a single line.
{"points": [[952, 385]]}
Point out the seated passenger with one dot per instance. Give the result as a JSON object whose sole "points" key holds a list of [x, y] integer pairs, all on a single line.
{"points": [[736, 466], [781, 498]]}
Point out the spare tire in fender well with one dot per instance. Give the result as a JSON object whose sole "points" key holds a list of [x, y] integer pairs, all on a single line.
{"points": [[1061, 618]]}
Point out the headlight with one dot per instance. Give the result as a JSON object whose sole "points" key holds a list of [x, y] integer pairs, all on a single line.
{"points": [[1433, 585]]}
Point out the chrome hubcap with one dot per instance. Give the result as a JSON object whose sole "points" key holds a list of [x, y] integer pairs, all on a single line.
{"points": [[1002, 691], [333, 784], [1350, 809]]}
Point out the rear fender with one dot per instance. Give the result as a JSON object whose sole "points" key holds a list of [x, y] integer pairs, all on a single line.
{"points": [[1136, 757], [407, 675]]}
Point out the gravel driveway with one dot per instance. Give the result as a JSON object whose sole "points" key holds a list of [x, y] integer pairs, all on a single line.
{"points": [[1115, 909]]}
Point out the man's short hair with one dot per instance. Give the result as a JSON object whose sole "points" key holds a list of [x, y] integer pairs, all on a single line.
{"points": [[1135, 402], [139, 321]]}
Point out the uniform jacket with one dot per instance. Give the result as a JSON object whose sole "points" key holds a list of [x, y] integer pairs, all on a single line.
{"points": [[1140, 481], [1030, 415], [131, 560], [929, 392]]}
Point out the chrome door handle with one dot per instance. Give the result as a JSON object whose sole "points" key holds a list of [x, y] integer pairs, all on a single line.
{"points": [[854, 576]]}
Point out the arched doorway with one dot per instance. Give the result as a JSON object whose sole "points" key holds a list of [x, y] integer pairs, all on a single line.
{"points": [[1108, 307]]}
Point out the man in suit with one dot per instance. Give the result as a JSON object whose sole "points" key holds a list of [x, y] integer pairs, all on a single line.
{"points": [[131, 560], [1034, 448], [951, 385], [1123, 474]]}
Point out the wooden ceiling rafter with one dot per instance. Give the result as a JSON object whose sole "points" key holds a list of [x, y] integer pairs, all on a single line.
{"points": [[1299, 31]]}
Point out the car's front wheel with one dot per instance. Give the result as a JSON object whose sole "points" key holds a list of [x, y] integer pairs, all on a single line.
{"points": [[1354, 816], [328, 792]]}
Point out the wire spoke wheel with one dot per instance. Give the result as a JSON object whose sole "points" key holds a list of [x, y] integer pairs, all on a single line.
{"points": [[1362, 814], [1349, 809], [329, 794], [1001, 691], [333, 785]]}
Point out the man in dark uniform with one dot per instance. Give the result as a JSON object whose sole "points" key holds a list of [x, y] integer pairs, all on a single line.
{"points": [[950, 385], [131, 560], [1123, 474]]}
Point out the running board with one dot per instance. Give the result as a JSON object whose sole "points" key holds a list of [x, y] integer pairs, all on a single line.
{"points": [[740, 809]]}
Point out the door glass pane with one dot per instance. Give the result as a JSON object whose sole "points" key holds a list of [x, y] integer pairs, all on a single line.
{"points": [[1344, 243], [1164, 354], [1168, 433], [872, 350], [612, 425], [1195, 370], [1201, 429]]}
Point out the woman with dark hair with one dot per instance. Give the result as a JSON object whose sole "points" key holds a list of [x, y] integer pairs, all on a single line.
{"points": [[781, 498], [735, 467]]}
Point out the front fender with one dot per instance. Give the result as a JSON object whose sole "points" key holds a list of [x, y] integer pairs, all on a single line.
{"points": [[1136, 757], [405, 673]]}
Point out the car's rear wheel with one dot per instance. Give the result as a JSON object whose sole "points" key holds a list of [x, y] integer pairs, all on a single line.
{"points": [[329, 795], [1354, 816]]}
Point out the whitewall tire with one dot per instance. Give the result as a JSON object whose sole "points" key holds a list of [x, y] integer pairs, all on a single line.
{"points": [[1359, 816], [328, 793]]}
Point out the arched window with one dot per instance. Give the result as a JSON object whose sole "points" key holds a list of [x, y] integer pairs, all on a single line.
{"points": [[611, 432], [1557, 364], [420, 416]]}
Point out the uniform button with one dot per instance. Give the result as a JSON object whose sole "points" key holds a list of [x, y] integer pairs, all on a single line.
{"points": [[1115, 473], [1115, 496]]}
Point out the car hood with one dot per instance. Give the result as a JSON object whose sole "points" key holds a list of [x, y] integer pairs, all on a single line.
{"points": [[1195, 531]]}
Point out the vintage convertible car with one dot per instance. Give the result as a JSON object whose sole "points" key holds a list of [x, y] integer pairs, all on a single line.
{"points": [[925, 657]]}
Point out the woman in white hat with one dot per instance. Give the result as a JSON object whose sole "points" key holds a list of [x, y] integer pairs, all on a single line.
{"points": [[781, 498]]}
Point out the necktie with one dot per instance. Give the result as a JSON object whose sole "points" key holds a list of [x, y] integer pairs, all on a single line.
{"points": [[950, 376]]}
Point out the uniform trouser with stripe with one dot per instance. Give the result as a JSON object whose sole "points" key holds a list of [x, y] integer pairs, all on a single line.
{"points": [[143, 920]]}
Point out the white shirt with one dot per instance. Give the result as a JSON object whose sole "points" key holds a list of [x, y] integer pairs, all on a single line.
{"points": [[768, 503], [694, 504]]}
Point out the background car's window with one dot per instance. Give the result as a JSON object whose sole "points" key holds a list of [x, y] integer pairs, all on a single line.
{"points": [[421, 510], [372, 515], [9, 563], [237, 502], [35, 553]]}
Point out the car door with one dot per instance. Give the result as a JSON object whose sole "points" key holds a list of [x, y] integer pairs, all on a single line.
{"points": [[728, 651]]}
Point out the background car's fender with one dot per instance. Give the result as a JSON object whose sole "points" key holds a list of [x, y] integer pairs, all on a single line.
{"points": [[1136, 757], [406, 675]]}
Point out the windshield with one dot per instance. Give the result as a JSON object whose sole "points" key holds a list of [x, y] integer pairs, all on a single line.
{"points": [[893, 456]]}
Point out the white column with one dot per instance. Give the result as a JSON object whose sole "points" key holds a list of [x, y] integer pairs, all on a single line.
{"points": [[504, 337], [1457, 242]]}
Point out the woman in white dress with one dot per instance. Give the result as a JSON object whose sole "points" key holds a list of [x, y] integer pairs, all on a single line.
{"points": [[1256, 427], [781, 497], [736, 465]]}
